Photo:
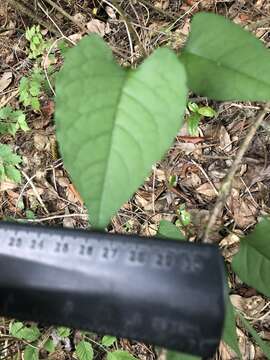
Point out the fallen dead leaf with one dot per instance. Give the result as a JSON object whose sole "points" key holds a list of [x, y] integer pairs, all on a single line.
{"points": [[243, 209], [68, 222], [237, 301], [246, 347], [38, 190], [226, 353], [191, 179], [98, 27], [110, 12], [143, 200], [41, 142], [208, 190], [80, 19], [7, 185], [5, 80], [225, 140], [160, 175], [230, 246], [251, 306], [75, 37], [162, 4], [73, 194]]}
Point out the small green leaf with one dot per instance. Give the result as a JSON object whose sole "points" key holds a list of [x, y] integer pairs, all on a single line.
{"points": [[15, 327], [20, 331], [34, 88], [22, 122], [120, 355], [262, 344], [5, 112], [7, 156], [225, 62], [118, 137], [193, 107], [12, 128], [30, 214], [173, 180], [84, 351], [49, 346], [252, 262], [185, 217], [207, 111], [193, 124], [35, 104], [229, 331], [108, 340], [168, 230], [174, 355], [63, 332], [30, 353], [2, 171], [13, 174]]}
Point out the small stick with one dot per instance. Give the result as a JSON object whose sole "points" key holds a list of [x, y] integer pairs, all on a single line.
{"points": [[128, 25], [30, 182], [227, 183], [64, 13], [160, 11], [22, 9]]}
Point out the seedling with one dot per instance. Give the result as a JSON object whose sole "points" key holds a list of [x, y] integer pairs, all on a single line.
{"points": [[37, 44], [196, 114], [184, 216], [30, 89], [12, 120]]}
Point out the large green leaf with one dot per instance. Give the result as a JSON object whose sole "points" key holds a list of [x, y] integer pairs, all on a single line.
{"points": [[229, 332], [252, 262], [225, 62], [113, 123]]}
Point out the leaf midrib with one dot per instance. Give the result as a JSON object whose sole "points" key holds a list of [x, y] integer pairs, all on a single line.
{"points": [[118, 102], [226, 67]]}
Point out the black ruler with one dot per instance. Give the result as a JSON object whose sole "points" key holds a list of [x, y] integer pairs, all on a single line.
{"points": [[168, 293]]}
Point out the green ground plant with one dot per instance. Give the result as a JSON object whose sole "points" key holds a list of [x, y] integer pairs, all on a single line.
{"points": [[37, 44], [30, 89], [8, 164], [196, 114], [12, 120], [115, 149]]}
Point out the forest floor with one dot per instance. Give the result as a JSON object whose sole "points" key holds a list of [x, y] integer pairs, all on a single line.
{"points": [[190, 174]]}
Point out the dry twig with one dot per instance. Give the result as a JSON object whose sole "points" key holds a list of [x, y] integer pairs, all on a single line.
{"points": [[26, 11], [227, 183]]}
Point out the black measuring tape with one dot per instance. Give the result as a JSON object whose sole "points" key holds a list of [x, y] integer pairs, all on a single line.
{"points": [[164, 292]]}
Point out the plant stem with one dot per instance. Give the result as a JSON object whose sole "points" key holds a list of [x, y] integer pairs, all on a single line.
{"points": [[227, 183], [129, 26], [64, 13]]}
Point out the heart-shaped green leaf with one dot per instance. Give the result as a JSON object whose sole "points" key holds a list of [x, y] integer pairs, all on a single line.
{"points": [[225, 62], [113, 123], [252, 262]]}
